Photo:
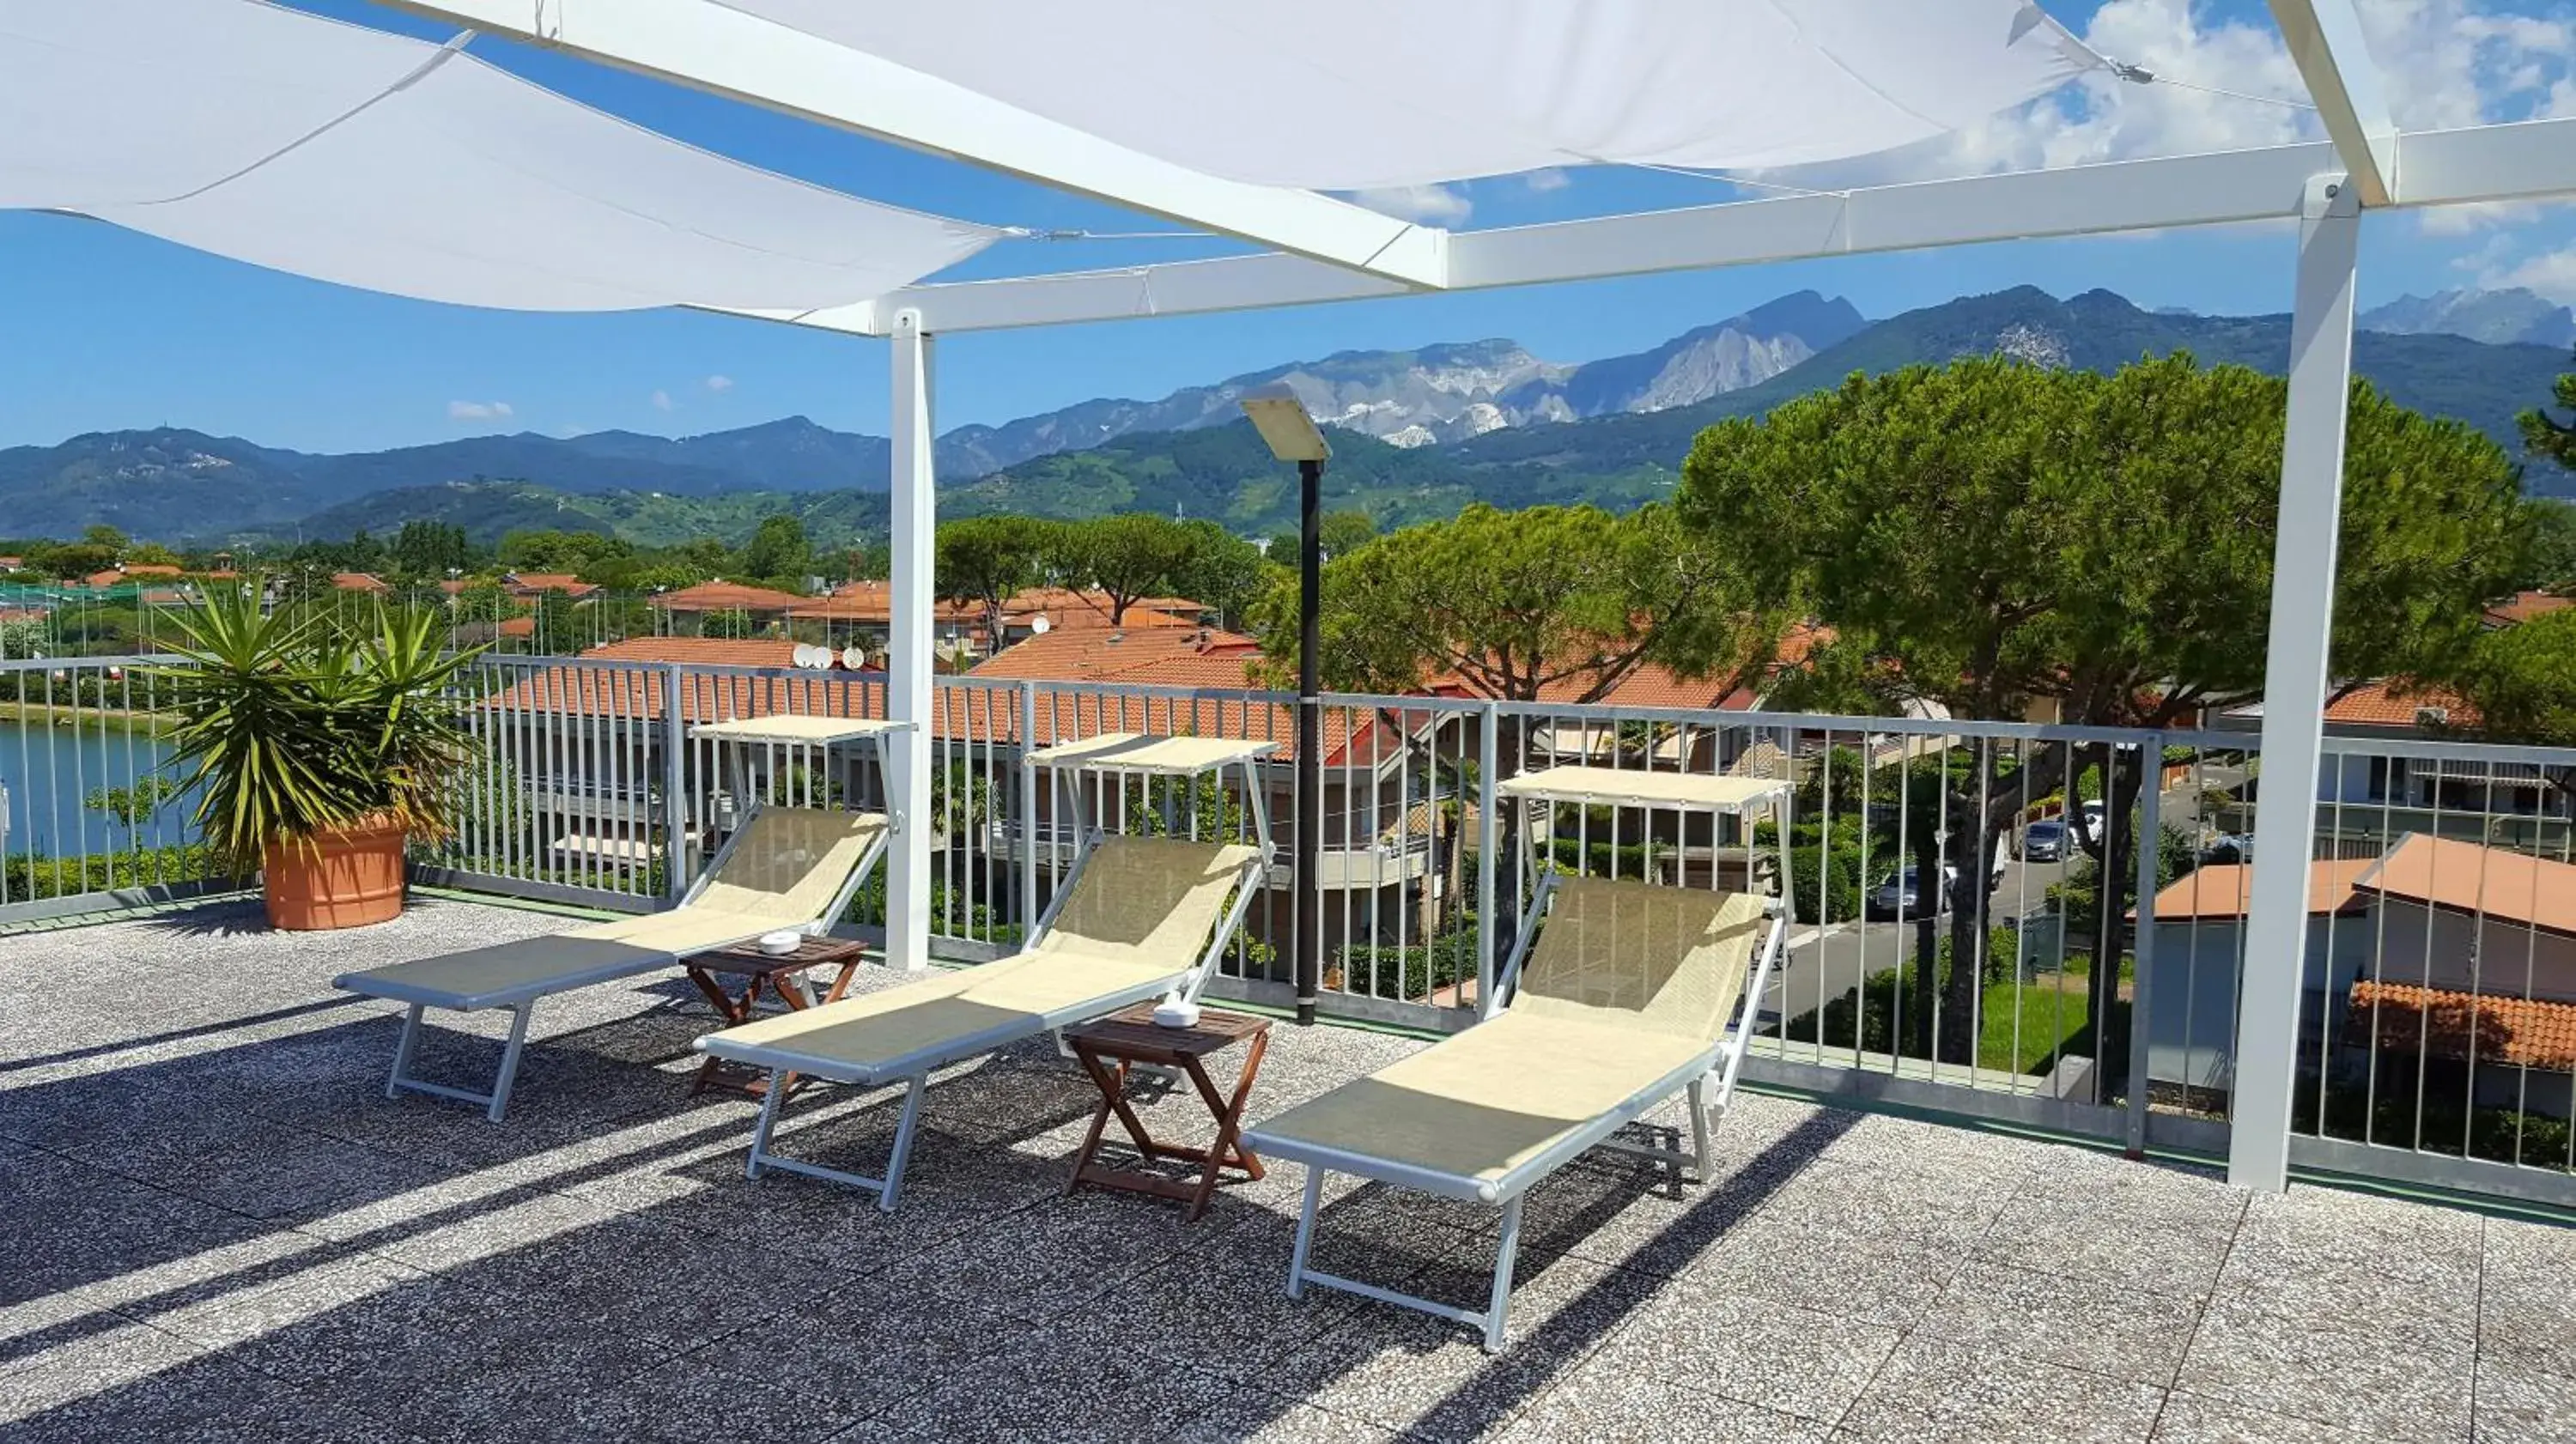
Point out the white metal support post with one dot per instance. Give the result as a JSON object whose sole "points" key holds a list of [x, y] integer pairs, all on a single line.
{"points": [[2294, 686], [908, 650]]}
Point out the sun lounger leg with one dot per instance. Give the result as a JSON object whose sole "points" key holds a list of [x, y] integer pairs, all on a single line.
{"points": [[510, 1060], [1305, 1233], [760, 1131], [1505, 1256], [1699, 1129], [403, 1050], [903, 1142]]}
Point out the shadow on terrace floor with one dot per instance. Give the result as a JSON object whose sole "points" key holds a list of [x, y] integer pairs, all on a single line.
{"points": [[219, 1228]]}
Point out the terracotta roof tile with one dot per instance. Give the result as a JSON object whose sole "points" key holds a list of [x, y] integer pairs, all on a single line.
{"points": [[2396, 704], [2220, 890], [2508, 1030], [2464, 877], [726, 597], [359, 582], [2525, 606]]}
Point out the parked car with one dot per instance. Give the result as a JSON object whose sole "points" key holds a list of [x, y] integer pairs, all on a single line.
{"points": [[1900, 895], [2044, 841], [2227, 847]]}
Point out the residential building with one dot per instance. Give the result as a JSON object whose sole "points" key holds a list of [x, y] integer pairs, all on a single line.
{"points": [[688, 608], [2440, 957], [2198, 954]]}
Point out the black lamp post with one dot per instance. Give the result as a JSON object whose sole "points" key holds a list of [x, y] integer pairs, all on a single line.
{"points": [[1293, 436]]}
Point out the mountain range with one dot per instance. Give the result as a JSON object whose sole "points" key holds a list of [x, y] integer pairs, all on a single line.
{"points": [[2512, 316], [1425, 431]]}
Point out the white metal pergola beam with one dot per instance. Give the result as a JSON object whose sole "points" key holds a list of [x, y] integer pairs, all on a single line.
{"points": [[707, 46], [2326, 42], [2531, 160]]}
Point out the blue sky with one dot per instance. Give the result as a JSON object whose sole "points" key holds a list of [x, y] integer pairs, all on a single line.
{"points": [[102, 329]]}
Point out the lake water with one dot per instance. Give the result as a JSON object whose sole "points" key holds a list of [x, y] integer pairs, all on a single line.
{"points": [[47, 773]]}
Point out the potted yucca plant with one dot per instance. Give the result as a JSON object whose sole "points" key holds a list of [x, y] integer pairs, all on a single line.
{"points": [[316, 752]]}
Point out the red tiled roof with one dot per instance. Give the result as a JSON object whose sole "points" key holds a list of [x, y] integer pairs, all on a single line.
{"points": [[2525, 606], [982, 716], [2220, 890], [522, 583], [151, 569], [359, 582], [1066, 608], [2395, 704], [2464, 877], [2508, 1030], [871, 601], [726, 597], [1206, 657], [1652, 684]]}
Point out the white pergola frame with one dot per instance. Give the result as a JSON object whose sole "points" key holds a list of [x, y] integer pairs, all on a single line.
{"points": [[1328, 250]]}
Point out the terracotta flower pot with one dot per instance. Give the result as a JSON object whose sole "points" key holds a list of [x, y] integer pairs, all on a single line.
{"points": [[348, 877]]}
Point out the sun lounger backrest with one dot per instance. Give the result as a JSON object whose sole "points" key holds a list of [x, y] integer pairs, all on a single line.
{"points": [[1152, 899], [1641, 955], [790, 862]]}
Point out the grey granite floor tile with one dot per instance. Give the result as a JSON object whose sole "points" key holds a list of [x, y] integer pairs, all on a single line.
{"points": [[1074, 1381], [1250, 1416], [1796, 1361], [2349, 1373], [1886, 1281], [864, 1349], [2194, 1419], [1054, 1256], [1864, 1201], [1430, 1378], [123, 1357], [2128, 1333], [2527, 1297], [1935, 1389], [1601, 1405], [2517, 1404], [2108, 1247], [1222, 1308]]}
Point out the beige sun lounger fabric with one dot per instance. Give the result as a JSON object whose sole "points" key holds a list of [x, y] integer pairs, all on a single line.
{"points": [[1136, 922], [785, 870], [1625, 995], [782, 874]]}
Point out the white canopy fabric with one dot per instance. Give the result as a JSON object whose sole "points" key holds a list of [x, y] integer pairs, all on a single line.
{"points": [[1355, 94], [373, 160]]}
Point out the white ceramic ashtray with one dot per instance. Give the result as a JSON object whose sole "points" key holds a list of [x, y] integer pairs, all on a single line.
{"points": [[780, 944], [1174, 1014]]}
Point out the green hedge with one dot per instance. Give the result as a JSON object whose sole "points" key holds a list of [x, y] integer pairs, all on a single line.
{"points": [[1411, 972], [30, 879]]}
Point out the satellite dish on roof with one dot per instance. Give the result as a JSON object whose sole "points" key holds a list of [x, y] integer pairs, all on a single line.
{"points": [[805, 656], [854, 658], [1041, 626]]}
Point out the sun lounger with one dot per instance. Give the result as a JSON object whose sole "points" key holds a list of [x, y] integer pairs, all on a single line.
{"points": [[787, 869], [1623, 1000], [1140, 918]]}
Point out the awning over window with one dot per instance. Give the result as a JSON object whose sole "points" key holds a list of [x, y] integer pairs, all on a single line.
{"points": [[1352, 94], [349, 155]]}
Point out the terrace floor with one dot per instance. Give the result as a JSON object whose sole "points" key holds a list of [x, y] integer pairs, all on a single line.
{"points": [[217, 1227]]}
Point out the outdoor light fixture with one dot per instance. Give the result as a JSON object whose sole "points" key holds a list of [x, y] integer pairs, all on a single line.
{"points": [[1292, 435], [1283, 423]]}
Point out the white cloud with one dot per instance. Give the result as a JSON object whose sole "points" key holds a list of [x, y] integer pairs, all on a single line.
{"points": [[2551, 273], [2444, 63], [719, 384], [1540, 182], [662, 401], [1429, 205], [477, 410]]}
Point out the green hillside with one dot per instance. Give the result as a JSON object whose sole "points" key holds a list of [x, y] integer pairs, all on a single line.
{"points": [[490, 510]]}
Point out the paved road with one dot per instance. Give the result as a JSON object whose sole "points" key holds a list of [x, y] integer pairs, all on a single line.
{"points": [[1833, 960]]}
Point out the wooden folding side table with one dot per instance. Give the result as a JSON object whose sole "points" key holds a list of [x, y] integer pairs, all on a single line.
{"points": [[1131, 1037], [783, 975]]}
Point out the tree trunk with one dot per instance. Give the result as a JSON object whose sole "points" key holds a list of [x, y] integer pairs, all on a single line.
{"points": [[1927, 945], [2118, 892]]}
